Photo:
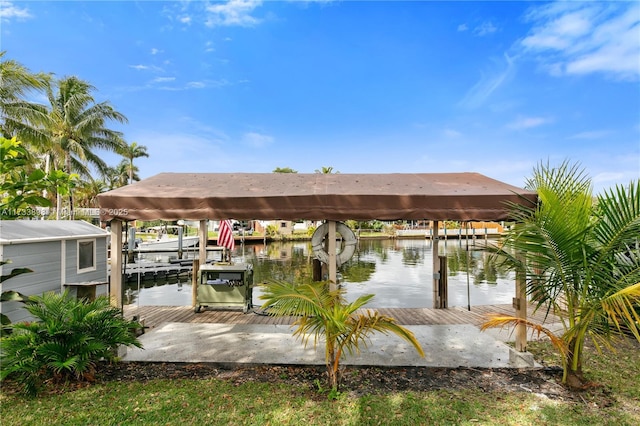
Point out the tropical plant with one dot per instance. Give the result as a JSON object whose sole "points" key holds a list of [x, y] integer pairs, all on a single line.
{"points": [[10, 295], [284, 170], [75, 126], [87, 192], [65, 341], [17, 114], [581, 260], [324, 313], [326, 170], [126, 173], [272, 230], [131, 152], [23, 187]]}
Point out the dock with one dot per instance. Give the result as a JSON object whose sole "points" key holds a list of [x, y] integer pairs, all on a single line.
{"points": [[153, 271], [153, 316]]}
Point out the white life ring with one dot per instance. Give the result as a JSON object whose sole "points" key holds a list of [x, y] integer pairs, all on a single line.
{"points": [[349, 238]]}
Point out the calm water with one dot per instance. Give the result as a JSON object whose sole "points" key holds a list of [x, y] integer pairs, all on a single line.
{"points": [[398, 272]]}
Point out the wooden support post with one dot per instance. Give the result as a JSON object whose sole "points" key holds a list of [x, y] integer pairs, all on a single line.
{"points": [[131, 244], [436, 265], [520, 305], [317, 270], [180, 251], [202, 248], [195, 276], [115, 286], [443, 288], [333, 267]]}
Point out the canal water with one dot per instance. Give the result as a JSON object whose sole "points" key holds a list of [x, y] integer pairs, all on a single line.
{"points": [[398, 272]]}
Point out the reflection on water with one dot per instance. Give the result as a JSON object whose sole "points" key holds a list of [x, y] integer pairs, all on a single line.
{"points": [[398, 272]]}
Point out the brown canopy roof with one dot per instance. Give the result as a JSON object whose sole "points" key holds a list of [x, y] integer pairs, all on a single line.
{"points": [[292, 196]]}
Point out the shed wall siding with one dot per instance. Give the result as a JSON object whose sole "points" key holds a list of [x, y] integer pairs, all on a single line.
{"points": [[71, 270], [44, 259]]}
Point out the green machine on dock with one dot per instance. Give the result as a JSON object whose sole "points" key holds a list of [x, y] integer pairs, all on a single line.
{"points": [[225, 285]]}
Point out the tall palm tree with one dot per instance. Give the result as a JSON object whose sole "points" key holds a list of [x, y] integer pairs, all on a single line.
{"points": [[75, 126], [17, 115], [324, 313], [118, 176], [131, 152], [126, 173], [581, 260]]}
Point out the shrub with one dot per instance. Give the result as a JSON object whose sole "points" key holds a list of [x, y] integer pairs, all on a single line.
{"points": [[65, 341]]}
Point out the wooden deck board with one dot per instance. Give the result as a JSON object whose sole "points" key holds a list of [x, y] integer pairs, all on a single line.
{"points": [[153, 316]]}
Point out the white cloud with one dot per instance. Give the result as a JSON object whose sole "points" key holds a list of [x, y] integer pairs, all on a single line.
{"points": [[170, 84], [488, 84], [233, 13], [593, 134], [9, 11], [608, 177], [484, 29], [141, 67], [463, 27], [155, 51], [450, 133], [186, 19], [528, 122], [163, 79], [205, 84], [196, 85], [257, 140], [584, 38]]}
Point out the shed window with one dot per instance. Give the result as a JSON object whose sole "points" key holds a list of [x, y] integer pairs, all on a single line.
{"points": [[86, 255]]}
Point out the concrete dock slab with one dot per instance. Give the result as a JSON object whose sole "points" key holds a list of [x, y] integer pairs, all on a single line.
{"points": [[252, 344]]}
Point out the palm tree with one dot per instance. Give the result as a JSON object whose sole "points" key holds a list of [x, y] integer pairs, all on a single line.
{"points": [[126, 173], [324, 313], [118, 176], [17, 114], [131, 152], [326, 170], [87, 192], [581, 260], [75, 126]]}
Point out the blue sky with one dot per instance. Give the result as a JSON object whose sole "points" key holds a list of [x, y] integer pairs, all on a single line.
{"points": [[363, 87]]}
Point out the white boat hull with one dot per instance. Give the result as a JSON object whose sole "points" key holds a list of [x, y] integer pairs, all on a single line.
{"points": [[172, 243]]}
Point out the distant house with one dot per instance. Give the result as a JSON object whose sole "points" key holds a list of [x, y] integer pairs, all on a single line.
{"points": [[285, 227], [61, 253]]}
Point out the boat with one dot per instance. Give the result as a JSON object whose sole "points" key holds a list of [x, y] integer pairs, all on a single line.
{"points": [[169, 243]]}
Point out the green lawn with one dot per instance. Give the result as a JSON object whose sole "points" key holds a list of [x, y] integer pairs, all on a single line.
{"points": [[215, 401]]}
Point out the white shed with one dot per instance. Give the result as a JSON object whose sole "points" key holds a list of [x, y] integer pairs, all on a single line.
{"points": [[61, 253]]}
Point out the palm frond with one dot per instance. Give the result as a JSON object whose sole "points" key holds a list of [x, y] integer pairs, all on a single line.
{"points": [[622, 308], [498, 320], [284, 299]]}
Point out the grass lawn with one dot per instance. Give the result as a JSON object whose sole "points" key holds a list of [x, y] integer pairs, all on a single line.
{"points": [[615, 401]]}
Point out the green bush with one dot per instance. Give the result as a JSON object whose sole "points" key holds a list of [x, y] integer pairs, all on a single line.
{"points": [[272, 230], [65, 341]]}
